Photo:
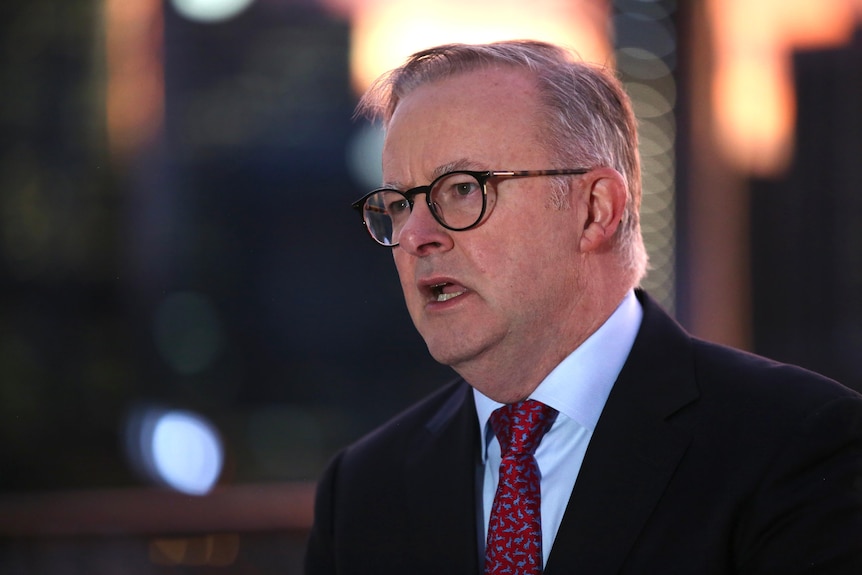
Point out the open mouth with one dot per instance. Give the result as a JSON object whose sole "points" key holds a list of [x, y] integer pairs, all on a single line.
{"points": [[446, 291]]}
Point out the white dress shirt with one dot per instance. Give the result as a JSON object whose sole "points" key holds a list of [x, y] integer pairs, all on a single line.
{"points": [[578, 388]]}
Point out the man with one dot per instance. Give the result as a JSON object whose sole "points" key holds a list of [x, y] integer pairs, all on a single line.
{"points": [[661, 453]]}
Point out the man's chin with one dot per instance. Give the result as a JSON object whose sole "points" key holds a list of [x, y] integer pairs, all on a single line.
{"points": [[449, 355], [457, 354]]}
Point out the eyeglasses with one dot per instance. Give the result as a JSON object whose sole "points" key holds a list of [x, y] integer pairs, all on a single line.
{"points": [[457, 201]]}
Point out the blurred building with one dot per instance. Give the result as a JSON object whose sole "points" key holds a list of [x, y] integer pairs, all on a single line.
{"points": [[806, 232]]}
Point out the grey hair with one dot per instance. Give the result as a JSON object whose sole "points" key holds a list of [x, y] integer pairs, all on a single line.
{"points": [[589, 116]]}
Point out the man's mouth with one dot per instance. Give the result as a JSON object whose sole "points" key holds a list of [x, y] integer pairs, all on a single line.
{"points": [[446, 291]]}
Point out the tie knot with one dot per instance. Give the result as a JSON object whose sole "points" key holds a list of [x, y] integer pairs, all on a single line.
{"points": [[519, 427]]}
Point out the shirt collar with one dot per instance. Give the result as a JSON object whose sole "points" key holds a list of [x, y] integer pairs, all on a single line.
{"points": [[579, 386]]}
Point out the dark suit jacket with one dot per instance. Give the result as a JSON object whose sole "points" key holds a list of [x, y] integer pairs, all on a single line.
{"points": [[705, 460]]}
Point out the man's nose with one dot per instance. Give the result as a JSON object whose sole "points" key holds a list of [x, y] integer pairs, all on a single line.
{"points": [[422, 233]]}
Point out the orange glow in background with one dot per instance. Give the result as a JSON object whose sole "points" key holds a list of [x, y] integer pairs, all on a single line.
{"points": [[752, 88], [386, 32], [135, 74]]}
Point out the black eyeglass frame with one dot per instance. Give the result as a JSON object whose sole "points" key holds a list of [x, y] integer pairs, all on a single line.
{"points": [[481, 176]]}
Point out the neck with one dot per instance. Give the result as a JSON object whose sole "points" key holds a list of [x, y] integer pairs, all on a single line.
{"points": [[508, 375]]}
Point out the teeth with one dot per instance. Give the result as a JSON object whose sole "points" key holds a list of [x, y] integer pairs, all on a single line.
{"points": [[441, 296], [447, 296]]}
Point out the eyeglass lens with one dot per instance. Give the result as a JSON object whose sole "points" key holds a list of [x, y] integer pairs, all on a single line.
{"points": [[456, 200]]}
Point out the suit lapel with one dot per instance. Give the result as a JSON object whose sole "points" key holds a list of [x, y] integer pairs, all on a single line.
{"points": [[441, 471], [632, 454]]}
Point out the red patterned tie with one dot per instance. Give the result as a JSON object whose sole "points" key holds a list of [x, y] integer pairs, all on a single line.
{"points": [[514, 545]]}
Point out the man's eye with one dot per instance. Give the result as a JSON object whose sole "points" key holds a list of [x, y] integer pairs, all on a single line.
{"points": [[465, 188], [398, 207], [459, 190]]}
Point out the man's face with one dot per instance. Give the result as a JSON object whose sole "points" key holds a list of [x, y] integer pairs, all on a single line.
{"points": [[494, 299]]}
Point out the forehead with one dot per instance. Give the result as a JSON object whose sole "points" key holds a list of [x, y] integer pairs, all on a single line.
{"points": [[482, 119]]}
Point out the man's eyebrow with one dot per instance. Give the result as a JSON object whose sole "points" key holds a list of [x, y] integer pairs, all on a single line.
{"points": [[457, 165], [460, 164]]}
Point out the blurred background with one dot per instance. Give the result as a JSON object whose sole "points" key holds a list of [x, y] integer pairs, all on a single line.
{"points": [[192, 320]]}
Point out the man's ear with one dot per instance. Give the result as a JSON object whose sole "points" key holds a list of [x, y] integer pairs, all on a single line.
{"points": [[605, 203]]}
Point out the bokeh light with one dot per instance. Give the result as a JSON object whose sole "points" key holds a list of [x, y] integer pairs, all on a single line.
{"points": [[646, 56], [364, 153], [134, 90], [178, 449], [210, 11], [752, 93], [386, 32]]}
